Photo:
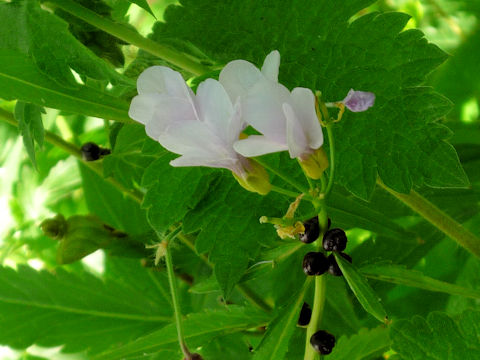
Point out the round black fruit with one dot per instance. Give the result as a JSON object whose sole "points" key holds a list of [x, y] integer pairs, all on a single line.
{"points": [[333, 267], [90, 151], [305, 315], [335, 240], [315, 263], [323, 342], [312, 230]]}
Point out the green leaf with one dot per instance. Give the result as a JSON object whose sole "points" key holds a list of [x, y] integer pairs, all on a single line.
{"points": [[398, 139], [45, 39], [274, 344], [437, 337], [30, 124], [110, 205], [359, 285], [127, 162], [71, 309], [230, 230], [21, 79], [199, 328], [143, 4], [172, 192], [403, 276], [362, 345]]}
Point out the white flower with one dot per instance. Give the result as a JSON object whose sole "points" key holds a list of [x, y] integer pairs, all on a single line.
{"points": [[287, 120], [202, 128]]}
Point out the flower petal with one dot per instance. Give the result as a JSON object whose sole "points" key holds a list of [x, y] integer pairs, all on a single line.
{"points": [[357, 101], [237, 77], [256, 145], [215, 108], [262, 109], [303, 102], [143, 107], [296, 139], [209, 161], [162, 80], [271, 65]]}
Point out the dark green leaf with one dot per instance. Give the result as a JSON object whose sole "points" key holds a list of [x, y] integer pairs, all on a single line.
{"points": [[199, 328], [67, 309], [127, 163], [362, 345], [403, 276], [30, 124], [364, 293], [274, 344], [437, 337]]}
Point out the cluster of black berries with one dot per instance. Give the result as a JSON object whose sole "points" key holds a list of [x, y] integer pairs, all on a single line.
{"points": [[317, 263], [92, 152]]}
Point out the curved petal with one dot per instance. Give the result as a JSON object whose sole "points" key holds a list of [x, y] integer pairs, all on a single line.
{"points": [[303, 102], [262, 109], [271, 65], [256, 145], [214, 107], [162, 80], [237, 77], [142, 107], [199, 160], [296, 139]]}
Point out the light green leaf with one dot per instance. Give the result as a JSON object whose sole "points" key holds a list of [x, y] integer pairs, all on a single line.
{"points": [[71, 309], [30, 124], [21, 79], [144, 5], [362, 290], [199, 328], [403, 276], [362, 345], [274, 344], [398, 139], [437, 337]]}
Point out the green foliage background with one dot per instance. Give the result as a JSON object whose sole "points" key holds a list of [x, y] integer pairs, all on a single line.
{"points": [[419, 57]]}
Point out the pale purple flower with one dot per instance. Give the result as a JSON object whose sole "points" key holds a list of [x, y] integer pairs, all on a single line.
{"points": [[286, 120], [202, 128], [357, 101]]}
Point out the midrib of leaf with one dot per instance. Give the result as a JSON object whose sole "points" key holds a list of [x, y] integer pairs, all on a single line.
{"points": [[123, 115], [87, 312]]}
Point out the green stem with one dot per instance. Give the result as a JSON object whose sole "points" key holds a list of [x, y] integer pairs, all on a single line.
{"points": [[317, 313], [283, 191], [331, 144], [439, 219], [176, 304], [131, 36], [285, 178], [74, 150]]}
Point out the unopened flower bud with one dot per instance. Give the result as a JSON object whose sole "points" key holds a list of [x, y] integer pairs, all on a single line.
{"points": [[92, 152], [54, 228], [315, 163], [357, 101]]}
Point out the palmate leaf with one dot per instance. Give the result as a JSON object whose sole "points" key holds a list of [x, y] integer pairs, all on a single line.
{"points": [[199, 328], [75, 310], [398, 138], [437, 337]]}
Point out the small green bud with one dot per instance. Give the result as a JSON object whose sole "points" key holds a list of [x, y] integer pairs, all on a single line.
{"points": [[256, 179], [54, 228], [315, 164]]}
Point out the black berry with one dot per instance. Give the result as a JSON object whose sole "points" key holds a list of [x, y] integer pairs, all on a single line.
{"points": [[315, 263], [335, 240], [323, 342], [333, 267], [312, 231], [90, 151], [305, 315]]}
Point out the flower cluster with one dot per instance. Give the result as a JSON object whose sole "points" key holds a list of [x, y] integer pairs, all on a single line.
{"points": [[206, 128]]}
